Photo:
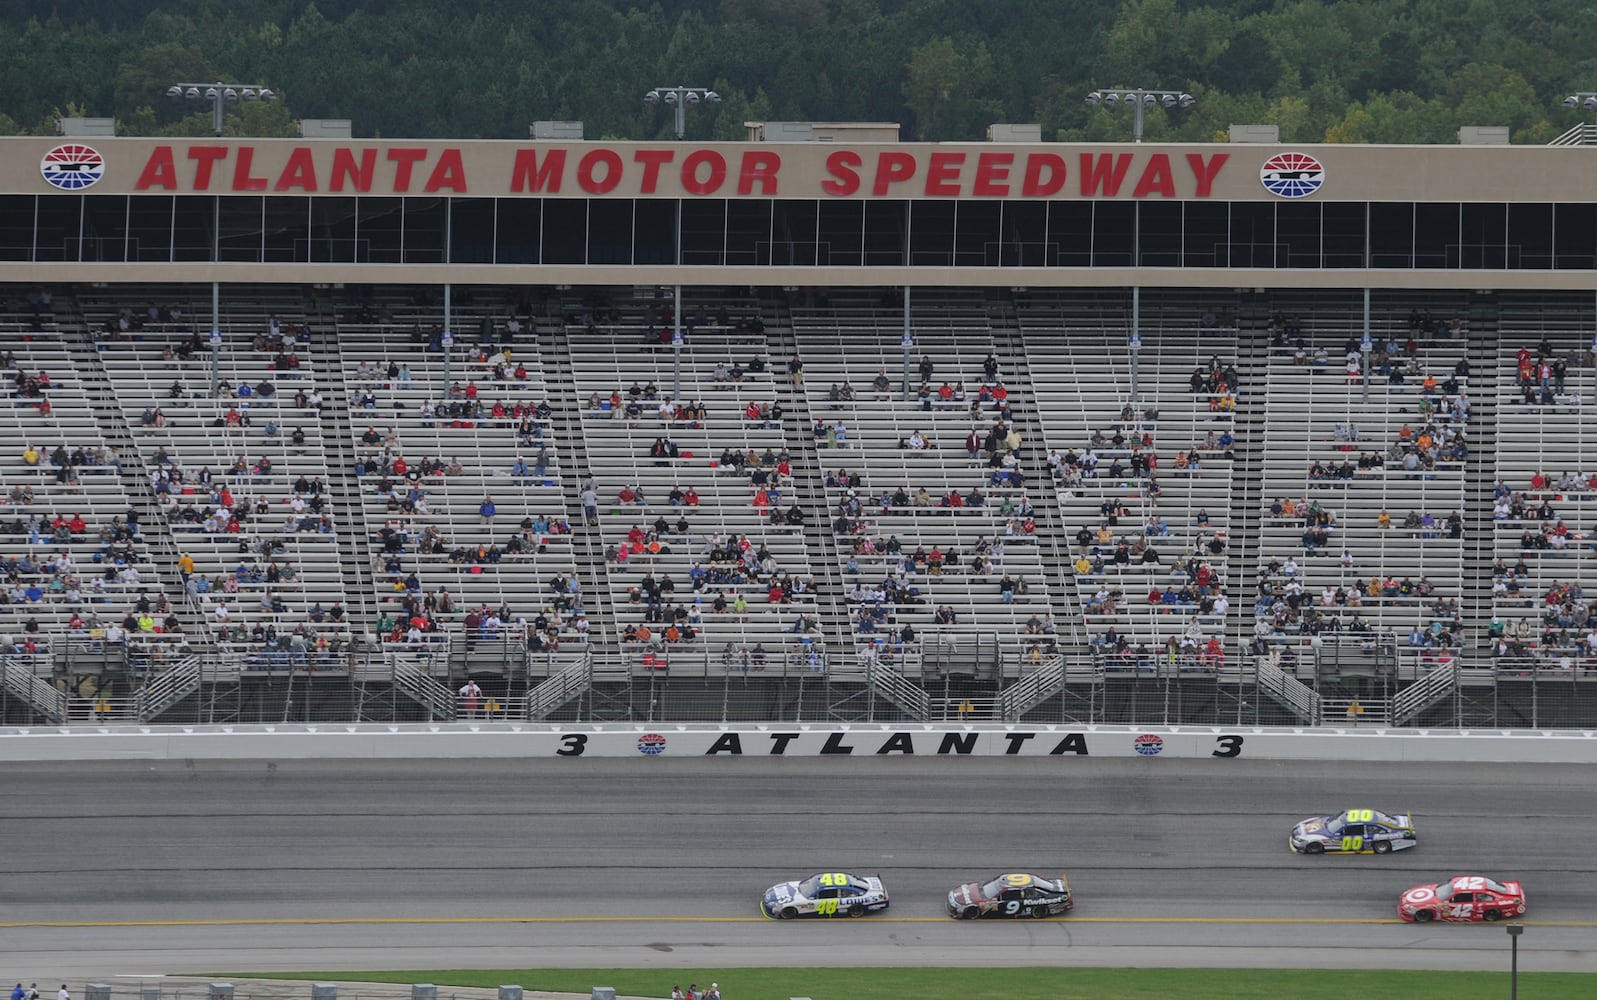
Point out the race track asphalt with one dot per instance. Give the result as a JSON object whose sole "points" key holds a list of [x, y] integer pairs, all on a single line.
{"points": [[116, 869]]}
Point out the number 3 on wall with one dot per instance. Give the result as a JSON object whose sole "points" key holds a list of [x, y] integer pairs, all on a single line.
{"points": [[1228, 746]]}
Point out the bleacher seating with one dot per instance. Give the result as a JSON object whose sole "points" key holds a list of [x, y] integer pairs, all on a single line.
{"points": [[290, 503]]}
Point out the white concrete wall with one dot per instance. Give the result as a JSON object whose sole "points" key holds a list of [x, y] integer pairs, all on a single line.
{"points": [[278, 742]]}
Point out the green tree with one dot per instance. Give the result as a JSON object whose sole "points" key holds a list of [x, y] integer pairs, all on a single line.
{"points": [[948, 90]]}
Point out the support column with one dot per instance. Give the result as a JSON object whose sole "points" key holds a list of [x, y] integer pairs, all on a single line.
{"points": [[907, 341], [676, 344], [447, 340], [216, 338], [1365, 347], [1134, 341]]}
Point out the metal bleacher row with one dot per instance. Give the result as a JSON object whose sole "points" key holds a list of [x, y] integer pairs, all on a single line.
{"points": [[1001, 507]]}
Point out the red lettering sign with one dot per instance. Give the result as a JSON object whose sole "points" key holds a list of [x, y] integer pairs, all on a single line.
{"points": [[761, 166], [992, 175], [843, 165], [942, 175], [159, 171], [406, 158], [690, 172], [1045, 175], [1104, 171], [299, 172], [652, 160], [206, 156], [527, 175], [1156, 178], [588, 177], [892, 168], [345, 168], [449, 173], [1206, 172]]}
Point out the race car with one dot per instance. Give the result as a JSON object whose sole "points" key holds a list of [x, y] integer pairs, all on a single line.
{"points": [[827, 894], [1012, 895], [1462, 899], [1354, 831]]}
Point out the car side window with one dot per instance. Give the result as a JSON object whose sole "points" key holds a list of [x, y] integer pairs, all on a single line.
{"points": [[826, 892], [1462, 897]]}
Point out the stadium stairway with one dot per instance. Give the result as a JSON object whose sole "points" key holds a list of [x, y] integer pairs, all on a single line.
{"points": [[587, 544], [1247, 502], [343, 488], [118, 435], [836, 627], [1480, 479], [1009, 345]]}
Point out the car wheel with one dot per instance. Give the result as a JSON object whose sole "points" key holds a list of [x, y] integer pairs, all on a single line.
{"points": [[788, 913], [1383, 847], [1423, 916], [1493, 915], [856, 910], [1314, 847], [969, 913]]}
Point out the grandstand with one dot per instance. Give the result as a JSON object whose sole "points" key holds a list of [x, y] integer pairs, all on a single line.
{"points": [[849, 460]]}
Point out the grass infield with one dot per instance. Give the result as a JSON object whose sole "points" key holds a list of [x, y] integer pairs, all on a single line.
{"points": [[1002, 984]]}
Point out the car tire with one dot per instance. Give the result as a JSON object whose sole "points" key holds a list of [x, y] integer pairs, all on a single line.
{"points": [[856, 910], [1424, 916], [1314, 847], [969, 913], [1383, 847], [788, 913], [1492, 915]]}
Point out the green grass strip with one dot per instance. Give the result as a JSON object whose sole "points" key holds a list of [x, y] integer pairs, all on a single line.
{"points": [[1003, 983]]}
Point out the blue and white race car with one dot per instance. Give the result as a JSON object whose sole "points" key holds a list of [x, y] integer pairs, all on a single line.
{"points": [[827, 894]]}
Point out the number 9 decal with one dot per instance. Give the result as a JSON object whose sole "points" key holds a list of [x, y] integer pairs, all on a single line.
{"points": [[1012, 908], [1229, 746]]}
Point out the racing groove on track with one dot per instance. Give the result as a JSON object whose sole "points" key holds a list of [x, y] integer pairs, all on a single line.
{"points": [[208, 866]]}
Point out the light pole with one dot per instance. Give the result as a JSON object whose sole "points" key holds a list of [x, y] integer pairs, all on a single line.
{"points": [[1514, 931], [679, 98], [1583, 99], [1140, 100], [220, 95]]}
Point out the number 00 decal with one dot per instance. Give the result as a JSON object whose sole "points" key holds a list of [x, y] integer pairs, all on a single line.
{"points": [[1228, 746]]}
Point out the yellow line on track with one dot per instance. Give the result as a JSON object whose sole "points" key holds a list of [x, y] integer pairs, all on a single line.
{"points": [[324, 921]]}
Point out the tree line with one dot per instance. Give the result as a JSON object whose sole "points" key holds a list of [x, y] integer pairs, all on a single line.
{"points": [[1349, 71]]}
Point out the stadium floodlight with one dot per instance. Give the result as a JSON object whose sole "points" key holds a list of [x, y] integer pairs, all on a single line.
{"points": [[1140, 99], [220, 95], [679, 98]]}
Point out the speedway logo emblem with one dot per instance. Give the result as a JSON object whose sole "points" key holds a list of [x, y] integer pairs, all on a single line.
{"points": [[72, 167], [1292, 175]]}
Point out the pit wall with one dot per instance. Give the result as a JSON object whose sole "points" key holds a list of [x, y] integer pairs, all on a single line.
{"points": [[512, 740]]}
